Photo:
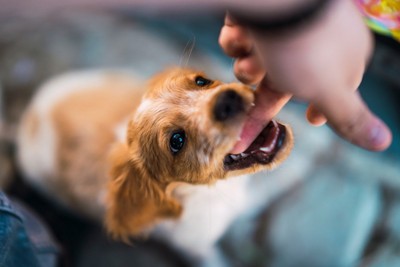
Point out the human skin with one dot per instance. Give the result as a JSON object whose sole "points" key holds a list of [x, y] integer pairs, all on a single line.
{"points": [[321, 64]]}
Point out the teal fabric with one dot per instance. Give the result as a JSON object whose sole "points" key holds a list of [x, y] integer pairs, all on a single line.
{"points": [[383, 98]]}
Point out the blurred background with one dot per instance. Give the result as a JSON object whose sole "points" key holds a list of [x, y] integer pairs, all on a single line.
{"points": [[330, 204]]}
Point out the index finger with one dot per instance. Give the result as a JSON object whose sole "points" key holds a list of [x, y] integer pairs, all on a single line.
{"points": [[267, 104]]}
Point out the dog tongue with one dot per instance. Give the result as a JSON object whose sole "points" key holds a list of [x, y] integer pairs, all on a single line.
{"points": [[261, 151], [249, 133], [266, 140]]}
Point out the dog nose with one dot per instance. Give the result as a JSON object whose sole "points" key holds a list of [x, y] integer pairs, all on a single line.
{"points": [[228, 104]]}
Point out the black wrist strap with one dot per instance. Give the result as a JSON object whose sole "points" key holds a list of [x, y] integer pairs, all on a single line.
{"points": [[280, 22]]}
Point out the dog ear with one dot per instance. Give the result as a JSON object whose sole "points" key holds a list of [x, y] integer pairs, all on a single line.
{"points": [[135, 201]]}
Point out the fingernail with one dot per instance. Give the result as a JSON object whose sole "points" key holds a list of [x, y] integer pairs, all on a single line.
{"points": [[379, 136]]}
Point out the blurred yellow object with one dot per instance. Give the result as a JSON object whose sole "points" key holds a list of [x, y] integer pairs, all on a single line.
{"points": [[383, 16]]}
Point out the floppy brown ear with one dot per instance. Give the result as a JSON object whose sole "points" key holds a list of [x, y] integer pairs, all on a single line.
{"points": [[135, 201]]}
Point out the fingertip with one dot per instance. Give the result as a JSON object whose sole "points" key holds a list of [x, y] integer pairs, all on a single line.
{"points": [[355, 122], [234, 41], [371, 134], [380, 136], [317, 122], [315, 117]]}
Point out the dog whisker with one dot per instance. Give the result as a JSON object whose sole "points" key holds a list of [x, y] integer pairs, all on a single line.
{"points": [[187, 52]]}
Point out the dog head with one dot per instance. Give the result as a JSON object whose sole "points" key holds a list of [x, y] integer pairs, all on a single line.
{"points": [[183, 131]]}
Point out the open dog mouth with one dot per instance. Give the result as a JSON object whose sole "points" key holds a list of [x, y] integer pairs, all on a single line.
{"points": [[262, 151]]}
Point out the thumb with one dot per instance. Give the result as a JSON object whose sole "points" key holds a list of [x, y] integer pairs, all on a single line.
{"points": [[349, 116]]}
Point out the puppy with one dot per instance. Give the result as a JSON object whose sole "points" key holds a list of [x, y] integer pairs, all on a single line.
{"points": [[147, 158]]}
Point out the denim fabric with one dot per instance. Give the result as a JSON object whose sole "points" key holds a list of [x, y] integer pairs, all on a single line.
{"points": [[24, 241]]}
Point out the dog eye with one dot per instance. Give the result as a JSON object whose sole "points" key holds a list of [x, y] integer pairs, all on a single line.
{"points": [[201, 81], [177, 141]]}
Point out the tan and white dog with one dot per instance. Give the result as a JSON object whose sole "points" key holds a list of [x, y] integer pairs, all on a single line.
{"points": [[149, 158]]}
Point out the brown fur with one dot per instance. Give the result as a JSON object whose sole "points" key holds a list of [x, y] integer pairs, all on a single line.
{"points": [[144, 169], [140, 176], [137, 202], [80, 142]]}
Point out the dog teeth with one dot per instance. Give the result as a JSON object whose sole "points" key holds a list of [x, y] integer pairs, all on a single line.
{"points": [[267, 149], [235, 157], [238, 156]]}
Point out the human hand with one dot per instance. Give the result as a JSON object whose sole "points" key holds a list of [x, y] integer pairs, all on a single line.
{"points": [[322, 65]]}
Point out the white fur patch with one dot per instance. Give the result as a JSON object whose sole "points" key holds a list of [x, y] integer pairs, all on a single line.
{"points": [[36, 153], [203, 158], [144, 105], [61, 86], [208, 212], [121, 130]]}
